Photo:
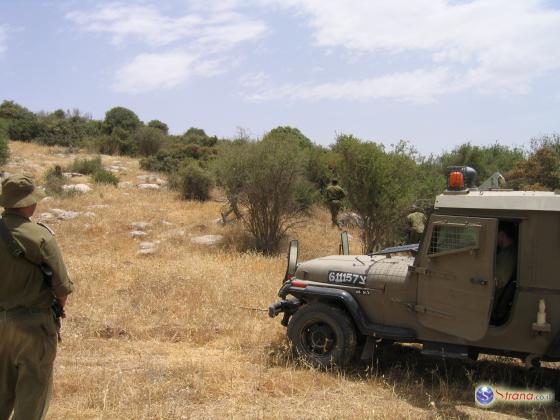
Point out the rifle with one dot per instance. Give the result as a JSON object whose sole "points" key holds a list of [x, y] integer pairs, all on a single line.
{"points": [[56, 307], [17, 251]]}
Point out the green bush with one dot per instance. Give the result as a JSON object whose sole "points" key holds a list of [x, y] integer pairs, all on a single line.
{"points": [[4, 149], [103, 176], [119, 142], [86, 166], [149, 140], [172, 158], [54, 180], [121, 118], [159, 125], [193, 182]]}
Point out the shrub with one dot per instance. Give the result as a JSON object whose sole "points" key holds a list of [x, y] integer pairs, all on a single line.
{"points": [[159, 125], [198, 136], [149, 140], [176, 155], [266, 177], [54, 180], [86, 166], [4, 149], [122, 118], [103, 176], [193, 182]]}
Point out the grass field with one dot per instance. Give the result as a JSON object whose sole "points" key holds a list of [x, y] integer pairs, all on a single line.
{"points": [[182, 333]]}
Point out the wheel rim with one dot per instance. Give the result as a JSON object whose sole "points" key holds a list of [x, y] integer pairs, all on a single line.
{"points": [[318, 339]]}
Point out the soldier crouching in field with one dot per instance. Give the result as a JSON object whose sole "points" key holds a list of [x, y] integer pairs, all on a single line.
{"points": [[33, 282]]}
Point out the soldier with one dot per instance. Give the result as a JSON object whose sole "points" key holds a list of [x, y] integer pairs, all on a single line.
{"points": [[506, 267], [28, 328], [335, 195], [415, 222]]}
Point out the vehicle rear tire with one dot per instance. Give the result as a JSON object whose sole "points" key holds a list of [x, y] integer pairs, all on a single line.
{"points": [[323, 335]]}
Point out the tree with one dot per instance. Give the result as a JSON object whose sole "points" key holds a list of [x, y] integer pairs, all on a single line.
{"points": [[380, 187], [541, 171], [485, 159], [22, 124], [121, 118], [265, 177], [149, 140], [292, 134], [198, 136], [159, 125]]}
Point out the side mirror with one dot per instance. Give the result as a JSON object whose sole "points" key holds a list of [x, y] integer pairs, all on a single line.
{"points": [[293, 251], [344, 245]]}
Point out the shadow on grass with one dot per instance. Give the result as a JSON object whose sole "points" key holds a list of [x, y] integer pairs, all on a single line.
{"points": [[443, 384]]}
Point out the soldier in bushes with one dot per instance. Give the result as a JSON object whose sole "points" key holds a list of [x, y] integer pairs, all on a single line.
{"points": [[335, 195], [33, 281]]}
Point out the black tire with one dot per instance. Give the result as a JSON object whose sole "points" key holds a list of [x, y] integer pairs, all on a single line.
{"points": [[323, 335]]}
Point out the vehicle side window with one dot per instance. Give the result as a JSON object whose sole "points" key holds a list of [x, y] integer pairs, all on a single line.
{"points": [[450, 238]]}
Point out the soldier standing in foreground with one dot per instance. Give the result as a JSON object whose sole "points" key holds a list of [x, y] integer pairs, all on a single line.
{"points": [[33, 276], [335, 195]]}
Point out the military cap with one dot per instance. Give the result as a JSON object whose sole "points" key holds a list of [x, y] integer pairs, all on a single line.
{"points": [[18, 191]]}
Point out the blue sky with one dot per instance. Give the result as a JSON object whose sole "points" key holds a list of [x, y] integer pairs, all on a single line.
{"points": [[437, 73]]}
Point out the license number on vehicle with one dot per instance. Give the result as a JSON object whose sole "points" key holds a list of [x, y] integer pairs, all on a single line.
{"points": [[341, 277]]}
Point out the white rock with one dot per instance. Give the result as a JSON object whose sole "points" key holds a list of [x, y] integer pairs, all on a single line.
{"points": [[99, 206], [148, 251], [166, 223], [137, 234], [72, 174], [89, 214], [46, 216], [81, 188], [64, 214], [140, 225], [125, 184], [148, 187], [148, 245], [207, 239]]}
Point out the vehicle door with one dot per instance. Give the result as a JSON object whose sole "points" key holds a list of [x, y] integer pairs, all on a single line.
{"points": [[455, 269]]}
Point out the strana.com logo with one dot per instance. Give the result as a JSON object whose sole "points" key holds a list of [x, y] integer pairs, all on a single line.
{"points": [[487, 395]]}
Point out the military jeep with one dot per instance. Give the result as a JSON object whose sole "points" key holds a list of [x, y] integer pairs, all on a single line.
{"points": [[442, 292]]}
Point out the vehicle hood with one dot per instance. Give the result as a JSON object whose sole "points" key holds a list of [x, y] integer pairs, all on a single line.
{"points": [[376, 271]]}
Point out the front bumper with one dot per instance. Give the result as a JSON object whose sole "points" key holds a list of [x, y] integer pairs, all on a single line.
{"points": [[288, 307]]}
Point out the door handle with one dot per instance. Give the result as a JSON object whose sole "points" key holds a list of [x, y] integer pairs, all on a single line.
{"points": [[479, 280]]}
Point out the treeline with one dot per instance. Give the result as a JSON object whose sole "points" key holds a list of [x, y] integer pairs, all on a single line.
{"points": [[276, 179]]}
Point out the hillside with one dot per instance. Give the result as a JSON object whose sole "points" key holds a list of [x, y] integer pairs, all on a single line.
{"points": [[182, 332]]}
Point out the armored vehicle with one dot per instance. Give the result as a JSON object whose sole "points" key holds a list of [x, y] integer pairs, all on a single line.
{"points": [[444, 293]]}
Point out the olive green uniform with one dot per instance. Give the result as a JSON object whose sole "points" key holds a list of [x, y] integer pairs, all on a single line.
{"points": [[416, 222], [27, 327], [335, 195]]}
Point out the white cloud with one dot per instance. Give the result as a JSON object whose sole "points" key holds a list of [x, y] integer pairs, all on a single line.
{"points": [[149, 72], [3, 38], [484, 45], [191, 41], [416, 86]]}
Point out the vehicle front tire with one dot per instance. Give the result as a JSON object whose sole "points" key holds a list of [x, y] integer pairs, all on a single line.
{"points": [[323, 335]]}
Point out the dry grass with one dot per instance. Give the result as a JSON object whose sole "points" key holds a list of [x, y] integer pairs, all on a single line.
{"points": [[173, 335]]}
